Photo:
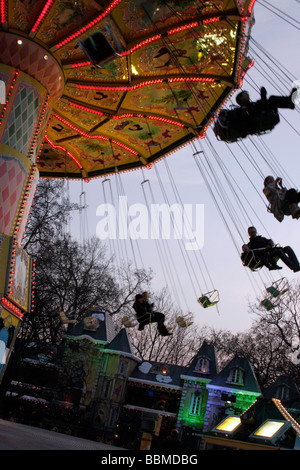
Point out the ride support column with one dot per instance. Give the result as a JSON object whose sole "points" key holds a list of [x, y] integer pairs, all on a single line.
{"points": [[30, 81]]}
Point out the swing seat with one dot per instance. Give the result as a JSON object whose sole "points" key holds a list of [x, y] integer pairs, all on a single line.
{"points": [[252, 262], [127, 322], [225, 130], [209, 299], [234, 124], [184, 322], [288, 210], [64, 319], [266, 121], [143, 321], [275, 292], [97, 49], [278, 288], [267, 304], [285, 209]]}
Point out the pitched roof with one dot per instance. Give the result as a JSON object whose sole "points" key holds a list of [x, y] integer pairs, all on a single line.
{"points": [[96, 325], [120, 342], [287, 391], [158, 373], [283, 380], [207, 351], [249, 383]]}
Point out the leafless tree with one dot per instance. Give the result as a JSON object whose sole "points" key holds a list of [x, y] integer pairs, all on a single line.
{"points": [[178, 348], [70, 277]]}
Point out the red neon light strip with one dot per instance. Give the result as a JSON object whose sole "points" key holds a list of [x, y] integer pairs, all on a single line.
{"points": [[251, 7], [42, 15], [183, 28], [3, 11], [215, 19], [141, 44], [84, 134], [12, 308], [145, 42], [64, 150], [99, 137], [244, 73], [144, 84], [121, 87], [81, 64], [191, 79], [151, 118], [85, 108], [89, 25], [127, 115]]}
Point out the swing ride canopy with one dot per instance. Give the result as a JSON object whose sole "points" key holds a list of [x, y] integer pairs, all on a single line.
{"points": [[177, 63]]}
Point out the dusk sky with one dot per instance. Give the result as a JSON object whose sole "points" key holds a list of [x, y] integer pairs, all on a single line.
{"points": [[239, 169]]}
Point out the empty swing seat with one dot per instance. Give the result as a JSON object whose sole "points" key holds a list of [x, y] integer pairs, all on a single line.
{"points": [[209, 299], [64, 319], [275, 292], [184, 321], [278, 288], [98, 49], [128, 322], [267, 304]]}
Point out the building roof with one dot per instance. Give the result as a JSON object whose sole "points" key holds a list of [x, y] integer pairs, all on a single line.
{"points": [[207, 351], [158, 373], [283, 381], [120, 342], [285, 389], [248, 383], [96, 325]]}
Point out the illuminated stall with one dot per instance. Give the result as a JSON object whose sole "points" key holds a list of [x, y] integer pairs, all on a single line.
{"points": [[265, 425]]}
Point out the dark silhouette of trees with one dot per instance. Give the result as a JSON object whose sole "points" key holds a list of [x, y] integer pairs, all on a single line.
{"points": [[76, 278]]}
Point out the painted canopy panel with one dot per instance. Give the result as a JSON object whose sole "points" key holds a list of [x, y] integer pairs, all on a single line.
{"points": [[177, 62]]}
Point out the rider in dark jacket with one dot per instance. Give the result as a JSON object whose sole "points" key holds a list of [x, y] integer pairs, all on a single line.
{"points": [[145, 314]]}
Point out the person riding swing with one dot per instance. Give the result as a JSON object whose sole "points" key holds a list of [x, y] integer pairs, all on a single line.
{"points": [[249, 117], [282, 201], [145, 314], [265, 248]]}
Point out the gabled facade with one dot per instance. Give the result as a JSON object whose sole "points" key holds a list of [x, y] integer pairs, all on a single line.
{"points": [[123, 393], [95, 367], [118, 397], [195, 379], [231, 391]]}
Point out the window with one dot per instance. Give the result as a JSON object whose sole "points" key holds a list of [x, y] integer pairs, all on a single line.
{"points": [[162, 369], [282, 393], [106, 389], [202, 365], [112, 417], [195, 403], [123, 367], [236, 376]]}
